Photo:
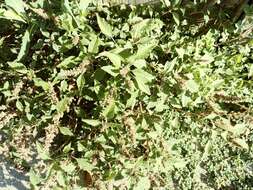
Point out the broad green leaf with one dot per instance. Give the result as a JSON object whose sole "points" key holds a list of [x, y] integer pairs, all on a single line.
{"points": [[208, 149], [84, 164], [144, 87], [143, 78], [239, 129], [61, 178], [17, 5], [109, 111], [143, 74], [110, 70], [132, 100], [12, 15], [250, 71], [84, 4], [217, 83], [185, 100], [2, 41], [140, 27], [63, 105], [17, 66], [25, 43], [105, 28], [68, 147], [68, 168], [241, 143], [176, 2], [179, 163], [69, 10], [181, 52], [146, 29], [143, 184], [207, 59], [114, 58], [41, 83], [34, 178], [19, 106], [43, 154], [176, 18], [67, 63], [225, 124], [192, 86], [80, 82], [80, 147], [143, 52], [66, 131], [94, 44], [140, 63], [92, 122], [167, 3], [64, 85]]}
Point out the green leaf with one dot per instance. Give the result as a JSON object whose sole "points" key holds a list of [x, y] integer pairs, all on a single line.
{"points": [[19, 105], [176, 18], [34, 178], [80, 147], [192, 86], [19, 67], [181, 52], [142, 86], [92, 122], [105, 28], [217, 83], [12, 15], [143, 184], [143, 78], [176, 2], [207, 150], [110, 70], [67, 148], [239, 129], [69, 168], [250, 71], [67, 63], [143, 74], [60, 178], [25, 44], [167, 3], [43, 154], [114, 58], [66, 131], [41, 83], [84, 4], [185, 100], [179, 163], [63, 105], [143, 52], [69, 10], [84, 164], [17, 5], [140, 63], [132, 100], [109, 111], [80, 82], [241, 143], [207, 59], [94, 44], [139, 28]]}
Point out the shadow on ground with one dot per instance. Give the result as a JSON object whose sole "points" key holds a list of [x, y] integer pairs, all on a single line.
{"points": [[11, 178]]}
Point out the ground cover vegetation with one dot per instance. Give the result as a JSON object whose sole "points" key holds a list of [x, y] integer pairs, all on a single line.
{"points": [[155, 96]]}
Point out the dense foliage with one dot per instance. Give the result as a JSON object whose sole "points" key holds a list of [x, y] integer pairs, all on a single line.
{"points": [[127, 97]]}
